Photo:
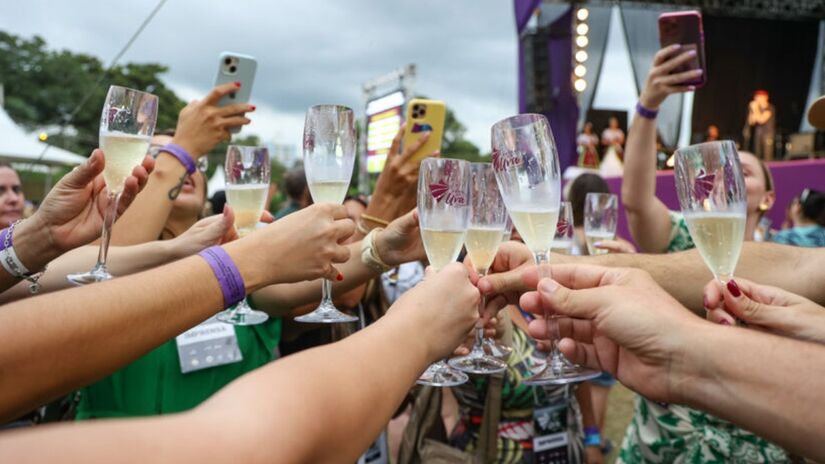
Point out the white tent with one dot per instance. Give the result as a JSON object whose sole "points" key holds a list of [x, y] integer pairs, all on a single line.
{"points": [[16, 145]]}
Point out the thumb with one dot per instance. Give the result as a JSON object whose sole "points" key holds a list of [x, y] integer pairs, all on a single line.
{"points": [[580, 304], [429, 272], [407, 223], [228, 220], [84, 174]]}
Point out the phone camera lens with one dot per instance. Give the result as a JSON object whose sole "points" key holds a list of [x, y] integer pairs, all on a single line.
{"points": [[232, 69], [227, 60]]}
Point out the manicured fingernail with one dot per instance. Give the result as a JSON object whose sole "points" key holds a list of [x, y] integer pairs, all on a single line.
{"points": [[238, 84], [548, 285], [734, 289], [675, 46], [724, 322], [251, 107], [691, 52], [597, 244], [698, 72], [691, 88], [339, 277], [705, 302]]}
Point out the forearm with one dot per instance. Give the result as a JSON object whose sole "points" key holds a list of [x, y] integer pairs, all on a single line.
{"points": [[282, 299], [767, 384], [235, 426], [585, 399], [121, 261], [145, 218], [647, 216], [34, 248], [55, 343]]}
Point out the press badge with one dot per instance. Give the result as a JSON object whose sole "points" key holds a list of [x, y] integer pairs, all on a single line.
{"points": [[551, 440], [211, 343]]}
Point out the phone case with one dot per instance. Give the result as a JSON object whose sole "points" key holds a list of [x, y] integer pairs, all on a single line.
{"points": [[423, 116], [685, 28], [236, 67]]}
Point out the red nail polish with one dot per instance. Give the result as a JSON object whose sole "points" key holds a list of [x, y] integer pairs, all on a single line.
{"points": [[238, 84], [339, 277], [251, 107], [734, 289]]}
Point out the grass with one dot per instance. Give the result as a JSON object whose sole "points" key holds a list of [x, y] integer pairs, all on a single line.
{"points": [[619, 412]]}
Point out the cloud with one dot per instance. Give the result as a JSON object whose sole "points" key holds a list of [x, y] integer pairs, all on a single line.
{"points": [[308, 52]]}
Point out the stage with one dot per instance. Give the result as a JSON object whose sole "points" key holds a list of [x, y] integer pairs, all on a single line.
{"points": [[790, 178]]}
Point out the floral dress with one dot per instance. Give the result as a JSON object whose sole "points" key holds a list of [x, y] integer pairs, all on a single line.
{"points": [[515, 430], [669, 433]]}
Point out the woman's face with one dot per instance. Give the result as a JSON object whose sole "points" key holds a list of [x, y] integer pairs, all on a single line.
{"points": [[614, 123], [192, 197], [755, 183]]}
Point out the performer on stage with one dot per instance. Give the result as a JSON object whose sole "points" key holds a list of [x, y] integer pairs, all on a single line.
{"points": [[760, 126], [587, 142]]}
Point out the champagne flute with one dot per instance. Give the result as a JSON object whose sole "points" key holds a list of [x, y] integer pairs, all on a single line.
{"points": [[444, 215], [713, 198], [127, 123], [329, 154], [491, 346], [247, 184], [488, 222], [601, 216], [563, 240], [527, 170]]}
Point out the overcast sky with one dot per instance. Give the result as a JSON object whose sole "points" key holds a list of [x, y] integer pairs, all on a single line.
{"points": [[308, 52]]}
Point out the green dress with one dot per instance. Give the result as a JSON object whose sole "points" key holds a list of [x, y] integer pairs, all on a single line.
{"points": [[155, 385], [669, 433]]}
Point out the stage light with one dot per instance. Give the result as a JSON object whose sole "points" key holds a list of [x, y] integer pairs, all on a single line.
{"points": [[582, 14], [582, 29], [581, 41], [580, 70], [580, 85], [581, 56], [43, 136]]}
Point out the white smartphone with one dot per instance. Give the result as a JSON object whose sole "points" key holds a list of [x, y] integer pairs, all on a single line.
{"points": [[236, 67]]}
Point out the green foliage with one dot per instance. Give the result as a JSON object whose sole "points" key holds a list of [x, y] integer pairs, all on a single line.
{"points": [[44, 87]]}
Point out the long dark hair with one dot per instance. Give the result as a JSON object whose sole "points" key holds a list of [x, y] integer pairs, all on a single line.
{"points": [[582, 185]]}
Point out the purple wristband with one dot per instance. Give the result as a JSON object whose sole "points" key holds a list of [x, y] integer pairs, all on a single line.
{"points": [[645, 113], [591, 430], [229, 278], [182, 155], [3, 234]]}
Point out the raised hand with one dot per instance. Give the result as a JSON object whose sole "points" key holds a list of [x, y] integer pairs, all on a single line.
{"points": [[400, 242], [660, 83]]}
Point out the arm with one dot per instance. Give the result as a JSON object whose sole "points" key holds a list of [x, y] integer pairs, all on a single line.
{"points": [[51, 344], [209, 231], [647, 217], [201, 126], [236, 426], [585, 399]]}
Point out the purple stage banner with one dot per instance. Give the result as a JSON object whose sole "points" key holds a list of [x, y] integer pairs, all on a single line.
{"points": [[790, 178]]}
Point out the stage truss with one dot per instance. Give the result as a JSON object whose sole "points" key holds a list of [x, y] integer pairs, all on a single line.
{"points": [[766, 9]]}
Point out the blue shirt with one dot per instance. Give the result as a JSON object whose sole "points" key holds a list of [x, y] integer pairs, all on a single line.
{"points": [[807, 236]]}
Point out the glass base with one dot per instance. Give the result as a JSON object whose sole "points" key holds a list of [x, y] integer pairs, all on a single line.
{"points": [[560, 371], [251, 317], [326, 314], [98, 274], [496, 350], [478, 363], [442, 375]]}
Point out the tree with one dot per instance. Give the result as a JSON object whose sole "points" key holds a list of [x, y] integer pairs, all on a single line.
{"points": [[43, 89]]}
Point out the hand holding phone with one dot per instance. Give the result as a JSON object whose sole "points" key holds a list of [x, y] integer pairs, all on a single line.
{"points": [[685, 29], [424, 116]]}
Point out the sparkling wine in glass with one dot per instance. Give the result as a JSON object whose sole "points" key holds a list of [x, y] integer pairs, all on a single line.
{"points": [[527, 170], [601, 216], [488, 223], [444, 215], [329, 155], [713, 198], [563, 240], [127, 123], [247, 184]]}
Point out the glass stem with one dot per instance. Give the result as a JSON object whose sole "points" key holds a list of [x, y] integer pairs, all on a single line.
{"points": [[554, 357], [478, 345], [326, 293], [106, 235]]}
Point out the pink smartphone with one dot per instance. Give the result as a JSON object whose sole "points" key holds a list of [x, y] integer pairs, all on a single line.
{"points": [[685, 28]]}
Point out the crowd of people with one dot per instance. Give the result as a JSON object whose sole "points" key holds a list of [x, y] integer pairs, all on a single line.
{"points": [[723, 373]]}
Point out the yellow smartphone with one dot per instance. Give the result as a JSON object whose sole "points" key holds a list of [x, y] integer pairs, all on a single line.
{"points": [[424, 116]]}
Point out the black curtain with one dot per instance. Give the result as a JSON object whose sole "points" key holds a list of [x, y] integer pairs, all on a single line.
{"points": [[744, 55]]}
